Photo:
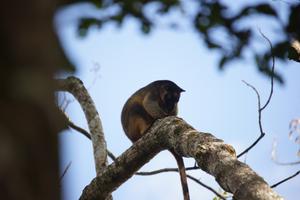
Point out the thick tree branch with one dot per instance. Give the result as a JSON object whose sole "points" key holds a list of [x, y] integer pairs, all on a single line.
{"points": [[77, 89], [111, 155], [211, 154]]}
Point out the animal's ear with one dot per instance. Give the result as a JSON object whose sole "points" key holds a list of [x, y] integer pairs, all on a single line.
{"points": [[177, 88]]}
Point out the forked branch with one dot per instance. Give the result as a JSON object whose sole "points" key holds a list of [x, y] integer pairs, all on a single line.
{"points": [[261, 108], [211, 154]]}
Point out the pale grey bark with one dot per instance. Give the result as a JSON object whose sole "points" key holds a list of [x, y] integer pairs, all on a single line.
{"points": [[77, 89], [212, 155]]}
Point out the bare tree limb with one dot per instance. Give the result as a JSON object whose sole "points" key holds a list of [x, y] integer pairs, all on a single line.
{"points": [[262, 133], [77, 128], [77, 89], [85, 133], [273, 68], [261, 108], [286, 179], [164, 170], [189, 176], [211, 154], [206, 186], [176, 170], [111, 155]]}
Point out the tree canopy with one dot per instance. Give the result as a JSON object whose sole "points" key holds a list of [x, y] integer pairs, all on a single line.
{"points": [[210, 19]]}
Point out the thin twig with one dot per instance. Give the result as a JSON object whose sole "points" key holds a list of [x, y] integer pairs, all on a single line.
{"points": [[79, 129], [262, 134], [164, 170], [206, 186], [111, 155], [189, 176], [85, 133], [65, 171], [273, 67], [286, 179], [260, 109]]}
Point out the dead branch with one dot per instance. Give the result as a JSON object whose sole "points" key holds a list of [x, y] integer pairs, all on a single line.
{"points": [[164, 170], [77, 128], [211, 154], [85, 133], [189, 176], [77, 89], [112, 156], [206, 186], [261, 108], [286, 179]]}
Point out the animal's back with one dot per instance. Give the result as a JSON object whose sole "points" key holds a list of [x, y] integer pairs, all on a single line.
{"points": [[135, 119]]}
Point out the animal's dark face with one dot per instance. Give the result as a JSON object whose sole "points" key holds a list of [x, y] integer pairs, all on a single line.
{"points": [[169, 94]]}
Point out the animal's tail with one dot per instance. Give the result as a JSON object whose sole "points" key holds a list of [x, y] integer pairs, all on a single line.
{"points": [[183, 178]]}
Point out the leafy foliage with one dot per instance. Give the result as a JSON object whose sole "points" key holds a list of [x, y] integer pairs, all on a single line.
{"points": [[210, 15]]}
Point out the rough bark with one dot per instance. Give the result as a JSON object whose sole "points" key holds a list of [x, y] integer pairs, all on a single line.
{"points": [[77, 89], [212, 155]]}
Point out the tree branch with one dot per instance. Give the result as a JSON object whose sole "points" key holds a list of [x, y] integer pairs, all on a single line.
{"points": [[206, 186], [262, 133], [261, 108], [111, 155], [189, 176], [77, 89], [164, 170], [85, 133], [77, 128], [211, 154], [273, 68], [286, 179]]}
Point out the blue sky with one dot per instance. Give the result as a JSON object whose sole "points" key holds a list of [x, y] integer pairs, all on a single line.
{"points": [[113, 63]]}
